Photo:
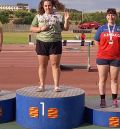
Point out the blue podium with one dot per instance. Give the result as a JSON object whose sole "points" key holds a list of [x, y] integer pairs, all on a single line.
{"points": [[50, 109], [107, 117], [7, 106]]}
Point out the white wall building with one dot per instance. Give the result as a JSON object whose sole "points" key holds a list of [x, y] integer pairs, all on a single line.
{"points": [[19, 6]]}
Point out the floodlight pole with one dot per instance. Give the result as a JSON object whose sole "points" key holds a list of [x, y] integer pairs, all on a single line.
{"points": [[82, 16]]}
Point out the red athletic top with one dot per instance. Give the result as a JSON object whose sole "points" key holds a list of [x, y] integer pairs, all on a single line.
{"points": [[108, 50], [82, 37]]}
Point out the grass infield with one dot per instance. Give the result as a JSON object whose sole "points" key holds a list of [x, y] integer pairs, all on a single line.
{"points": [[22, 37], [14, 125]]}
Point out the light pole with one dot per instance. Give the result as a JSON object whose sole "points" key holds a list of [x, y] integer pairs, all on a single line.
{"points": [[82, 16]]}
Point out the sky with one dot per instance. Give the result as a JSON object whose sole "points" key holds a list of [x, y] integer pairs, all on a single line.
{"points": [[81, 5]]}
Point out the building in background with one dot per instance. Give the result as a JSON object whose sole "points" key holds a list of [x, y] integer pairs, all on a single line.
{"points": [[19, 6]]}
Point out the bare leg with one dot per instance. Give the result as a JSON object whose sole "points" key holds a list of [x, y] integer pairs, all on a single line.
{"points": [[43, 62], [103, 71], [55, 63], [114, 72]]}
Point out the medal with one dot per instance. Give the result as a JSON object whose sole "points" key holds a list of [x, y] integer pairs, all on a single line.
{"points": [[111, 34], [110, 41]]}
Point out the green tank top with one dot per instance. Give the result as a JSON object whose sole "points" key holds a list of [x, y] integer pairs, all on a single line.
{"points": [[55, 23]]}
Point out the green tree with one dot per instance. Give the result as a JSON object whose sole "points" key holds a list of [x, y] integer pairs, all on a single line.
{"points": [[33, 11], [18, 21], [28, 19], [3, 19], [22, 14], [75, 16]]}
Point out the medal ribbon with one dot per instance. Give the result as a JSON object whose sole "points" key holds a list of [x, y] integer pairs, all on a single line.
{"points": [[111, 32]]}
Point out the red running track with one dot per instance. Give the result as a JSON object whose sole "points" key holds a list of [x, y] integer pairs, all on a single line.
{"points": [[19, 65]]}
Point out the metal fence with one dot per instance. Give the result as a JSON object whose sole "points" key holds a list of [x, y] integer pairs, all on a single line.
{"points": [[10, 27]]}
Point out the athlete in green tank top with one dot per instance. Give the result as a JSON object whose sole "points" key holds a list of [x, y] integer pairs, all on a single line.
{"points": [[55, 23], [48, 26]]}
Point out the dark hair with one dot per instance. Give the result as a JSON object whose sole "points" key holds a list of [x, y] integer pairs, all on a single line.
{"points": [[55, 3], [111, 11]]}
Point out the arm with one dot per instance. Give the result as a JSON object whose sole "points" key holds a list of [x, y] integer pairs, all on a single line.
{"points": [[1, 38], [66, 21], [96, 43], [35, 28], [97, 37]]}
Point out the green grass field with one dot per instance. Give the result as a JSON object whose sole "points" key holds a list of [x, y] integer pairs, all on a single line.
{"points": [[15, 37], [14, 125], [22, 37]]}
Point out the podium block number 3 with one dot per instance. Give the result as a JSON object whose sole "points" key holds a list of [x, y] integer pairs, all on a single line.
{"points": [[114, 122]]}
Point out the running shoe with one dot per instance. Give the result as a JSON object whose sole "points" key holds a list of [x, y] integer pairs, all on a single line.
{"points": [[103, 103]]}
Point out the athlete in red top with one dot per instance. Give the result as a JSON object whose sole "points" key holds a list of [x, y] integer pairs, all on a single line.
{"points": [[82, 37], [108, 57]]}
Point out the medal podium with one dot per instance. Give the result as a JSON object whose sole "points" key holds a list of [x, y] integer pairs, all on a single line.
{"points": [[7, 106], [107, 117], [50, 109]]}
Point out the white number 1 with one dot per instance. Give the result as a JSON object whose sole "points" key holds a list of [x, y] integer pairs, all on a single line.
{"points": [[43, 108]]}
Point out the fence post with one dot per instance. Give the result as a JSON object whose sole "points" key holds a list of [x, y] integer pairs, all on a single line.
{"points": [[30, 39]]}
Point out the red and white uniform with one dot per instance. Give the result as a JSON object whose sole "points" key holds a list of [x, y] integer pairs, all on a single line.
{"points": [[108, 50]]}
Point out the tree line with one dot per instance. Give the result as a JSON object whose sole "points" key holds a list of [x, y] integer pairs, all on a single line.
{"points": [[77, 17], [17, 17]]}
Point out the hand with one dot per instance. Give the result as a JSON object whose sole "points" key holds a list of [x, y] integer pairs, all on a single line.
{"points": [[66, 16], [44, 28]]}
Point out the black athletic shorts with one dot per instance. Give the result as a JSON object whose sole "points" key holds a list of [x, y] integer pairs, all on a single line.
{"points": [[115, 63], [48, 48]]}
